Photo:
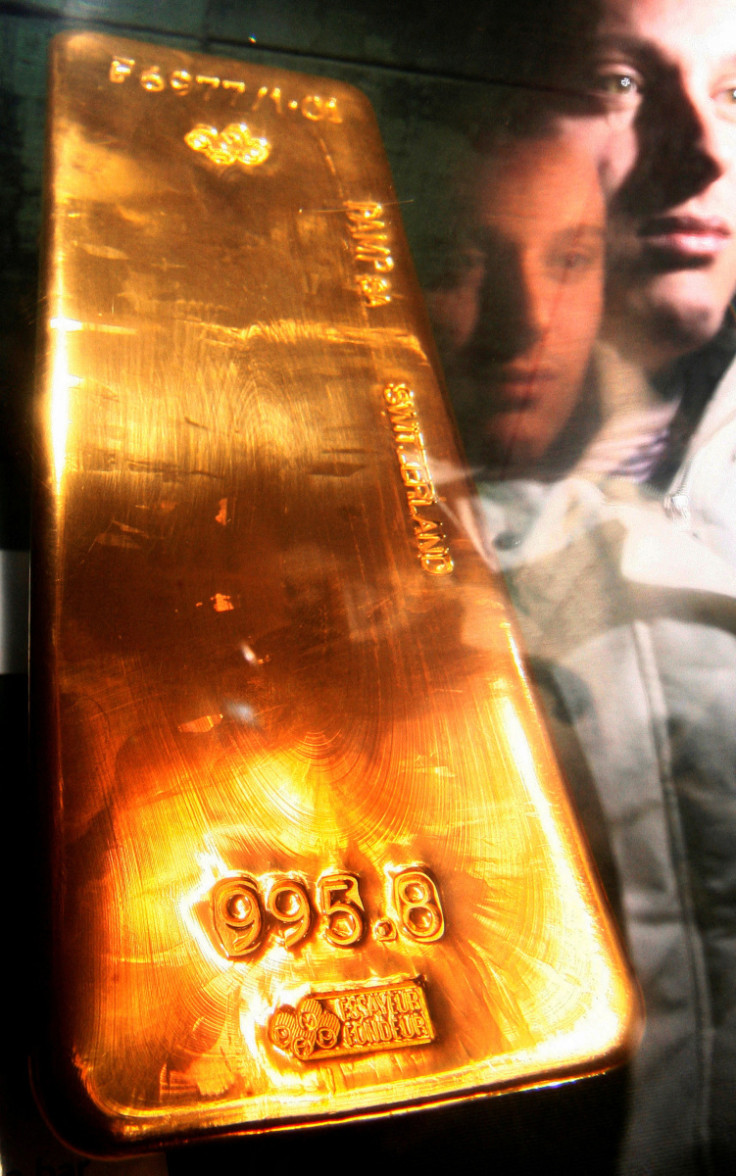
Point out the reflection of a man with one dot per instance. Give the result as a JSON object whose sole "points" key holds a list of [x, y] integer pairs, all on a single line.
{"points": [[661, 125], [627, 598], [659, 119], [519, 312]]}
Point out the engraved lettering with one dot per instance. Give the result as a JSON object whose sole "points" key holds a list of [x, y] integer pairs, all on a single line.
{"points": [[371, 246], [384, 930], [429, 534], [343, 909], [375, 290], [437, 563], [373, 250], [427, 544], [367, 221], [121, 68], [418, 904], [332, 114], [359, 1020], [379, 256], [237, 916], [274, 95], [365, 229], [432, 551], [420, 495], [313, 107], [368, 209], [413, 474], [201, 138], [242, 913], [399, 394], [426, 527], [181, 81], [288, 904], [151, 80], [405, 425]]}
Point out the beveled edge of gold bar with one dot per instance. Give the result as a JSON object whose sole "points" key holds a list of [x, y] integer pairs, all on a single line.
{"points": [[95, 1133]]}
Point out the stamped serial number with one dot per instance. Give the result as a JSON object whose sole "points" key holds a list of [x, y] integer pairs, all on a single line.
{"points": [[246, 913], [313, 107]]}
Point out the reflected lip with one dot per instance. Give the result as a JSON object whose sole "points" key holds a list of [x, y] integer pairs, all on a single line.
{"points": [[518, 385], [511, 384], [687, 235]]}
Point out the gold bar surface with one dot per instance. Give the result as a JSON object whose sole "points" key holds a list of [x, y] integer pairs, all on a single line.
{"points": [[312, 855]]}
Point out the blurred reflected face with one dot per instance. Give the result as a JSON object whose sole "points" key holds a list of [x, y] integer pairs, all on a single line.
{"points": [[517, 318], [661, 127]]}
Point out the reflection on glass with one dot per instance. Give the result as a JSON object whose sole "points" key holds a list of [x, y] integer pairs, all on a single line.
{"points": [[519, 310], [618, 535]]}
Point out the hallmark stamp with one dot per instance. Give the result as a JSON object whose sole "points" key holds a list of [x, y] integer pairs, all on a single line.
{"points": [[234, 144], [371, 250], [356, 1020]]}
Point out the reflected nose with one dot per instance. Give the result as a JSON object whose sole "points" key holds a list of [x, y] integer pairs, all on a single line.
{"points": [[680, 152], [700, 159], [513, 309]]}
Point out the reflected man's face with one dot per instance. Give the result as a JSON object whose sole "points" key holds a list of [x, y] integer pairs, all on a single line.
{"points": [[518, 315], [662, 129]]}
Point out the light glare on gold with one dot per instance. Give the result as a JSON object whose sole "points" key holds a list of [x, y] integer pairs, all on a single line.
{"points": [[61, 382]]}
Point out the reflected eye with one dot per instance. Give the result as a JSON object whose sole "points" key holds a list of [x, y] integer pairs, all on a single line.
{"points": [[575, 266], [462, 266], [726, 100], [468, 259], [619, 84], [579, 262], [576, 263]]}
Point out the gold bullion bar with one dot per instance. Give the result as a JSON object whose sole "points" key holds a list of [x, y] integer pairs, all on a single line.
{"points": [[312, 856]]}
